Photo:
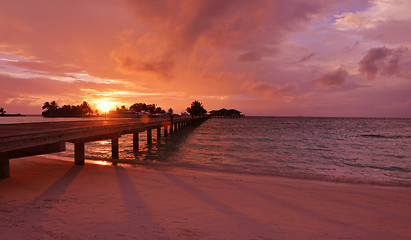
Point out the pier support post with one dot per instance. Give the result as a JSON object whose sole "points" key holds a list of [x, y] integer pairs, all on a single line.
{"points": [[158, 134], [165, 131], [171, 128], [79, 153], [149, 137], [4, 168], [114, 148], [135, 141], [4, 165]]}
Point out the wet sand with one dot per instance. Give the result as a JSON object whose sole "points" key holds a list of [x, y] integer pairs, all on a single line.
{"points": [[52, 199]]}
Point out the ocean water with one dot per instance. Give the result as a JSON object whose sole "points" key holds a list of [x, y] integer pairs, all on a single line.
{"points": [[353, 150]]}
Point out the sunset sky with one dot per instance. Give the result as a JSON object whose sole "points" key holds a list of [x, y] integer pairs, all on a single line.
{"points": [[262, 57]]}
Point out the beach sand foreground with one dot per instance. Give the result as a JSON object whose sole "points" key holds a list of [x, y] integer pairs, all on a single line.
{"points": [[47, 198]]}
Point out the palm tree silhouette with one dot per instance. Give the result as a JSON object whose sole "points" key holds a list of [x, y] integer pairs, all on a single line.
{"points": [[196, 109], [50, 106]]}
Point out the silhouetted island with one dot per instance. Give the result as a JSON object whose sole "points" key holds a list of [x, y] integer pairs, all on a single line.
{"points": [[224, 113], [12, 115], [3, 114]]}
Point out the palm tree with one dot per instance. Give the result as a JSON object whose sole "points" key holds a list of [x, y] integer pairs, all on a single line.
{"points": [[86, 109], [50, 106], [196, 109], [2, 111], [138, 107]]}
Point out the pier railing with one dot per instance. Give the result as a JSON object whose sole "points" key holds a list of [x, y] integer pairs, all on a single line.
{"points": [[21, 140]]}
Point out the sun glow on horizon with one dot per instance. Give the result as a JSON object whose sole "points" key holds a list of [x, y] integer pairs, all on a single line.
{"points": [[105, 106]]}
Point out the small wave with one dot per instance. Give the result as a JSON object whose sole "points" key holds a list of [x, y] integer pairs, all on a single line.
{"points": [[292, 173], [382, 136], [388, 168]]}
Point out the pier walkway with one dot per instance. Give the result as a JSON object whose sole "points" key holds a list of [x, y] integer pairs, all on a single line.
{"points": [[29, 139]]}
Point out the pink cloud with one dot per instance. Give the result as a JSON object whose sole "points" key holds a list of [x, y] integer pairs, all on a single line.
{"points": [[384, 61], [334, 78], [249, 56]]}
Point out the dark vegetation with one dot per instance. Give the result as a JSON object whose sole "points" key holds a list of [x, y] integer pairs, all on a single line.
{"points": [[53, 110], [196, 109], [3, 113], [147, 108]]}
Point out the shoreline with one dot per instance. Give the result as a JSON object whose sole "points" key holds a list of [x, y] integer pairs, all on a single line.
{"points": [[13, 115], [203, 168], [47, 198]]}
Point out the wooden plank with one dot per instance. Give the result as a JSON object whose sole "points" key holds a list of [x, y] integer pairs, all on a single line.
{"points": [[38, 150]]}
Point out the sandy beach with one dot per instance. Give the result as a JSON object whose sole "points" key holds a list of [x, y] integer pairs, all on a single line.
{"points": [[47, 198]]}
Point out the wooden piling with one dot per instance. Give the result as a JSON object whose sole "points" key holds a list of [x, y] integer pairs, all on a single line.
{"points": [[165, 131], [158, 134], [114, 148], [149, 137], [4, 166], [79, 153], [135, 141]]}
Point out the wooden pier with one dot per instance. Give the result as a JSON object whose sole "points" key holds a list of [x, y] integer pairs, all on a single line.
{"points": [[29, 139]]}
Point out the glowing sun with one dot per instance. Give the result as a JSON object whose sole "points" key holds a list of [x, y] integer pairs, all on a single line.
{"points": [[105, 106]]}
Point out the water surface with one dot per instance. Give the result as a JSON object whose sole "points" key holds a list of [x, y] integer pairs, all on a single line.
{"points": [[358, 150]]}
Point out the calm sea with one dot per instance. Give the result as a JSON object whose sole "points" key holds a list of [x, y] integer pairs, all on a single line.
{"points": [[355, 150]]}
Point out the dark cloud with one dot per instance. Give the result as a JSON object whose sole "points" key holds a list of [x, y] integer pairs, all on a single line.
{"points": [[269, 90], [249, 57], [334, 78], [307, 57], [253, 28], [160, 66], [382, 60], [352, 47]]}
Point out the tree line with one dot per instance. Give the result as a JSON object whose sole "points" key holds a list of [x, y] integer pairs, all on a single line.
{"points": [[51, 109], [142, 107]]}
